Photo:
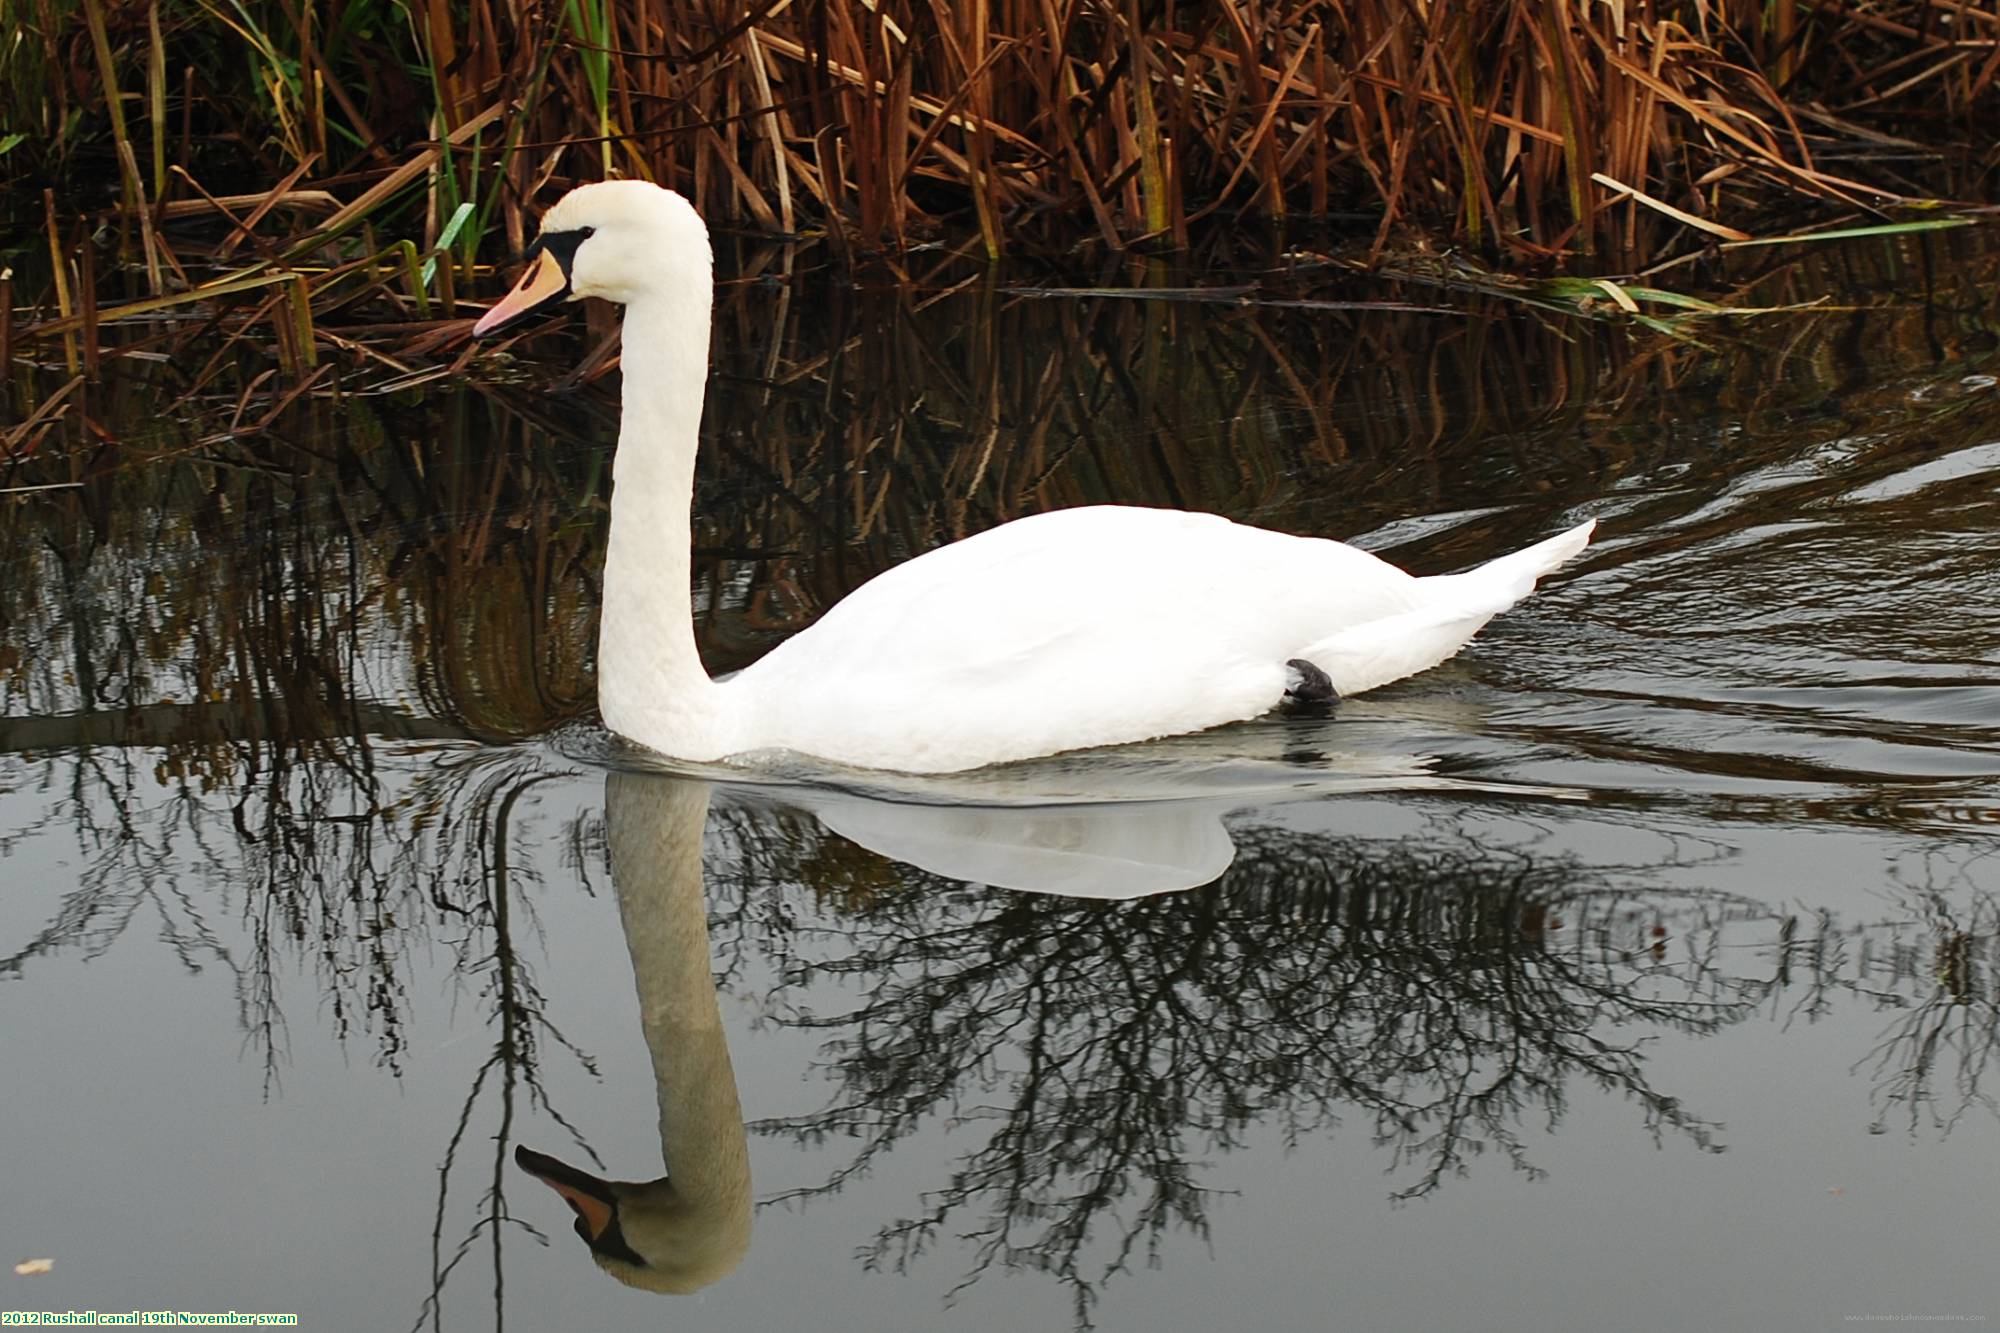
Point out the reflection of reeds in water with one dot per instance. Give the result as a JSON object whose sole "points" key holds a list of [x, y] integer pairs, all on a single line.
{"points": [[434, 555], [278, 592], [929, 418]]}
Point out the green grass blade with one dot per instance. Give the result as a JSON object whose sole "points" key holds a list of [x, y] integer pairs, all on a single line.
{"points": [[1660, 297], [1854, 233], [419, 288], [449, 234]]}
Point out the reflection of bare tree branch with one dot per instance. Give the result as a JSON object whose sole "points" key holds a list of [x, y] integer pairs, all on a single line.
{"points": [[1097, 1051], [515, 1004], [1929, 1063]]}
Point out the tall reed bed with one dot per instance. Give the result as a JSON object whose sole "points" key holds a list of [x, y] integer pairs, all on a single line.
{"points": [[1537, 132]]}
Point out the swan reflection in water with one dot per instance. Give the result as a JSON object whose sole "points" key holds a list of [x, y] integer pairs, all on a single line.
{"points": [[1414, 983], [690, 1227], [1113, 824]]}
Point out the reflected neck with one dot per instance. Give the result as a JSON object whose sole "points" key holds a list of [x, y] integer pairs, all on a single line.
{"points": [[651, 684], [697, 1219]]}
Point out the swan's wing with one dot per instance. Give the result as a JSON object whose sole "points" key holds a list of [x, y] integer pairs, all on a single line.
{"points": [[1076, 628], [1129, 585]]}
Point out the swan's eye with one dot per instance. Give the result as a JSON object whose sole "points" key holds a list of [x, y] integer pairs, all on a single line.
{"points": [[562, 244]]}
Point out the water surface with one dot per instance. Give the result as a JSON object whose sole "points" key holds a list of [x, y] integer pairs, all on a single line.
{"points": [[1636, 969]]}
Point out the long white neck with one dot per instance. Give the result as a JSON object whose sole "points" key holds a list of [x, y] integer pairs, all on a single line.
{"points": [[651, 684]]}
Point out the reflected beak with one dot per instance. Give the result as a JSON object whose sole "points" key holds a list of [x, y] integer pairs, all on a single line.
{"points": [[590, 1198], [544, 284]]}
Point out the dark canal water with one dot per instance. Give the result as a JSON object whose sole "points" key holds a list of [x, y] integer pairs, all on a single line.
{"points": [[1637, 969]]}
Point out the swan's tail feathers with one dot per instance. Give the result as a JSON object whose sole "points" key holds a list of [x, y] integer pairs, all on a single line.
{"points": [[1520, 571], [1455, 607]]}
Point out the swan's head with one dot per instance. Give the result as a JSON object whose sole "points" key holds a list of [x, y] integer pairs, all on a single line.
{"points": [[626, 241], [643, 1233]]}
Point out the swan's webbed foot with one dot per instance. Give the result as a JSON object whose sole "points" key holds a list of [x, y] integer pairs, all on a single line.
{"points": [[1307, 688]]}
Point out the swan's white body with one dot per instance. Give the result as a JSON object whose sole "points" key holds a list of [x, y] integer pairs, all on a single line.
{"points": [[1077, 628], [1098, 626]]}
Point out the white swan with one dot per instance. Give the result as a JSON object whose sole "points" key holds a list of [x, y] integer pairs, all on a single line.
{"points": [[1082, 627]]}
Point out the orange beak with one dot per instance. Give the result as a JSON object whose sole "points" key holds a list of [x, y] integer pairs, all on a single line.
{"points": [[542, 285], [589, 1198]]}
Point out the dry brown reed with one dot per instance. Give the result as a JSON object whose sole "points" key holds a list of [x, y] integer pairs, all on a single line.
{"points": [[1535, 132], [328, 179]]}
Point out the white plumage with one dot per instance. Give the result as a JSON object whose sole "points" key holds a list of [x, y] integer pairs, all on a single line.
{"points": [[1099, 626], [1082, 627]]}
